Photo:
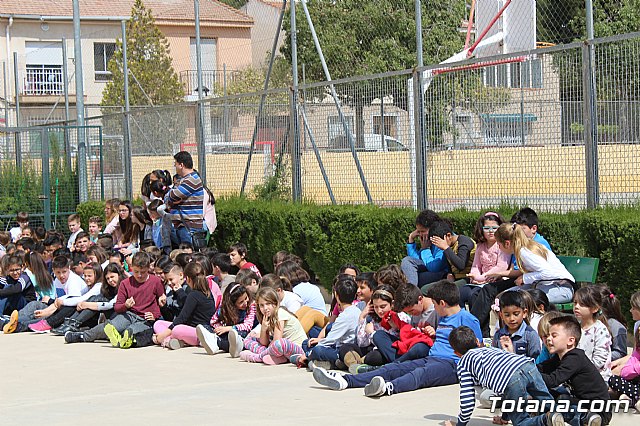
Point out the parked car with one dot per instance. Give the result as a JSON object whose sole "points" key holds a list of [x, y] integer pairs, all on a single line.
{"points": [[372, 143]]}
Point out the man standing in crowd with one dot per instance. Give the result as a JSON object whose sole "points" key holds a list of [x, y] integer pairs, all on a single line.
{"points": [[185, 200]]}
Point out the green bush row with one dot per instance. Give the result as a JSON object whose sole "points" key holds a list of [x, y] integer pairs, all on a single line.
{"points": [[328, 236]]}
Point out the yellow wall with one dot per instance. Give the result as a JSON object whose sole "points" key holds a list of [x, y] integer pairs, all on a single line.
{"points": [[535, 171]]}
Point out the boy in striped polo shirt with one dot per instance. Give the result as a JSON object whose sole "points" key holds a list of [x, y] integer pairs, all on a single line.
{"points": [[513, 376]]}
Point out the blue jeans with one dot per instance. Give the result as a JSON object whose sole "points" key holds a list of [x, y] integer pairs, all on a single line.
{"points": [[180, 235], [12, 303], [410, 375], [575, 418], [384, 341], [526, 380], [417, 272], [323, 353]]}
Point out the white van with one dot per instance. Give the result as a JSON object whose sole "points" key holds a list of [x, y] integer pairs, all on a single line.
{"points": [[372, 142]]}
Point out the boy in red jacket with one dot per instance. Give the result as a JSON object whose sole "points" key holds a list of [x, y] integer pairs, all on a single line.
{"points": [[137, 307]]}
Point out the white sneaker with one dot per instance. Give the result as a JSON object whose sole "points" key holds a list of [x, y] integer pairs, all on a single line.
{"points": [[208, 340], [330, 379], [378, 387], [236, 344], [556, 419]]}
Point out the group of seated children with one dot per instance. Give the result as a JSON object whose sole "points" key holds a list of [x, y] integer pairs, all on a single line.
{"points": [[398, 329]]}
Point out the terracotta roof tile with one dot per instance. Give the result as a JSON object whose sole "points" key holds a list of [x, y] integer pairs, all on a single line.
{"points": [[276, 4], [162, 10]]}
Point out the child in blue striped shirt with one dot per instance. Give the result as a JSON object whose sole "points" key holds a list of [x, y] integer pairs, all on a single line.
{"points": [[515, 377]]}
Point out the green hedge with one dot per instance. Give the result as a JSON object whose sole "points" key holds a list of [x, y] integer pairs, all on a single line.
{"points": [[328, 236]]}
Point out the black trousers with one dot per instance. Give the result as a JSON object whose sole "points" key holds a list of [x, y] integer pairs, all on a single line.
{"points": [[481, 306]]}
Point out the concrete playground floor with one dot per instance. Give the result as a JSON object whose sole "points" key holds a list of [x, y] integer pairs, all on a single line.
{"points": [[45, 381]]}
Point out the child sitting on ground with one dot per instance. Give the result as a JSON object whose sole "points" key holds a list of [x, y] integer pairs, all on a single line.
{"points": [[627, 384], [22, 219], [417, 311], [238, 254], [488, 258], [325, 351], [75, 228], [73, 287], [221, 270], [281, 334], [543, 332], [540, 266], [16, 288], [362, 354], [45, 294], [516, 335], [287, 299], [438, 369], [616, 322], [459, 250], [390, 275], [425, 263], [176, 290], [198, 308], [137, 308], [250, 280], [571, 366], [595, 340], [500, 280], [95, 228], [231, 323], [505, 373]]}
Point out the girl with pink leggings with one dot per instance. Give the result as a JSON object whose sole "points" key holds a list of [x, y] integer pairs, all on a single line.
{"points": [[198, 308], [280, 332]]}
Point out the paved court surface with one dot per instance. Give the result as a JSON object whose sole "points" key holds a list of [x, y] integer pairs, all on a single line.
{"points": [[45, 381]]}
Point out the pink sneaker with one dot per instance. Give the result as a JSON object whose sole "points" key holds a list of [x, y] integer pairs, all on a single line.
{"points": [[274, 360], [41, 326], [249, 356]]}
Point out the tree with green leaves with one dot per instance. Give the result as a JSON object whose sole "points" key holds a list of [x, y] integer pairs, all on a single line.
{"points": [[152, 82], [617, 81], [362, 37], [152, 79]]}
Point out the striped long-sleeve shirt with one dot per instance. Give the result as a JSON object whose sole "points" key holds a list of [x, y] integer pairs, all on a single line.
{"points": [[247, 324], [487, 367], [186, 201]]}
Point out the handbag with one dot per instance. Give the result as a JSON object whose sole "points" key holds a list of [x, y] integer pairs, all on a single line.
{"points": [[199, 239]]}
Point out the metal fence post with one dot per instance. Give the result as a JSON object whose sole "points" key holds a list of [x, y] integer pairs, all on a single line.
{"points": [[420, 143], [82, 147], [296, 169], [590, 113], [46, 178], [65, 76], [421, 146], [17, 141], [200, 139], [126, 123]]}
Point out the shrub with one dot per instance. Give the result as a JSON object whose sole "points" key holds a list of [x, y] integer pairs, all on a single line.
{"points": [[89, 209], [325, 237]]}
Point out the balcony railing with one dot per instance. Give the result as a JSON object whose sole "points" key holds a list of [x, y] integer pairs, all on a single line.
{"points": [[42, 80], [210, 79]]}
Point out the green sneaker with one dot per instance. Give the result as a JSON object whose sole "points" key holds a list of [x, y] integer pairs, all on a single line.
{"points": [[127, 339], [113, 335]]}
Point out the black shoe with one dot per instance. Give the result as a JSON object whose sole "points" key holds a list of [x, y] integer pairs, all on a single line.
{"points": [[144, 338], [62, 328], [73, 337]]}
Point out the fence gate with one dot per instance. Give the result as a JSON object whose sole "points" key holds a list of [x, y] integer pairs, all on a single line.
{"points": [[38, 172]]}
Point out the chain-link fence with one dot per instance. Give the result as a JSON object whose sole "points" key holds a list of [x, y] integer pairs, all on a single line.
{"points": [[519, 123], [38, 172]]}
